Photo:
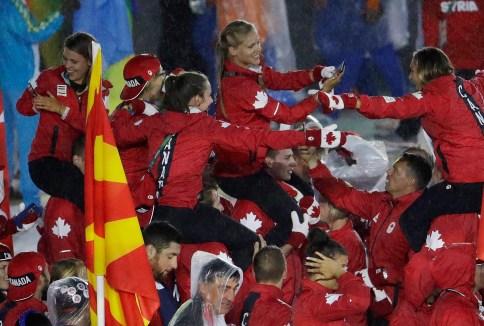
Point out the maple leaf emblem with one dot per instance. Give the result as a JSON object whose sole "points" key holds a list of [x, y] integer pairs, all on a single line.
{"points": [[222, 255], [61, 228], [224, 124], [332, 297], [251, 222], [330, 138], [434, 241], [260, 100]]}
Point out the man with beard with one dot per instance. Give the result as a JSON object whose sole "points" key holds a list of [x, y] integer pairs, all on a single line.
{"points": [[162, 243], [29, 278]]}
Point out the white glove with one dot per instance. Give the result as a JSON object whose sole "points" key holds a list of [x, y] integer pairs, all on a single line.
{"points": [[298, 226], [331, 138], [328, 72]]}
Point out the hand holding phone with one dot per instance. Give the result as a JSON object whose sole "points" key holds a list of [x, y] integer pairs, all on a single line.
{"points": [[32, 90], [341, 67]]}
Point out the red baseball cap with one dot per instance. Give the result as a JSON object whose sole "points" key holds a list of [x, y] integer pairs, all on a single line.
{"points": [[137, 72], [5, 252], [23, 272]]}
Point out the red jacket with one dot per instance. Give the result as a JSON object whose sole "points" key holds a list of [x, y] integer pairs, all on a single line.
{"points": [[442, 234], [387, 246], [454, 309], [10, 311], [246, 103], [465, 23], [457, 138], [55, 135], [64, 231], [269, 309], [457, 304], [134, 157], [196, 136], [348, 238], [318, 305]]}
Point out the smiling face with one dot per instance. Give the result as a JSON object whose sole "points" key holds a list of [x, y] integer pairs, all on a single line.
{"points": [[280, 166], [248, 52], [77, 66], [163, 262], [220, 294]]}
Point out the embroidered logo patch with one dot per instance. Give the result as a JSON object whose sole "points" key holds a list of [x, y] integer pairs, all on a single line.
{"points": [[62, 90]]}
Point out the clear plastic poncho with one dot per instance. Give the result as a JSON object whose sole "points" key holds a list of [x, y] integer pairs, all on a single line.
{"points": [[68, 302], [211, 279]]}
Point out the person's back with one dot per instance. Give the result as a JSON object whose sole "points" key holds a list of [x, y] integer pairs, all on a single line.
{"points": [[63, 231], [264, 305]]}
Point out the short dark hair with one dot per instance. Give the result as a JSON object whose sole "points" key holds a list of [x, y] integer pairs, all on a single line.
{"points": [[160, 234], [418, 167], [181, 88], [431, 63], [217, 268], [80, 42], [320, 242], [269, 265]]}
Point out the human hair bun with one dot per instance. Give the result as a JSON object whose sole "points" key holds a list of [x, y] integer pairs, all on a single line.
{"points": [[318, 236]]}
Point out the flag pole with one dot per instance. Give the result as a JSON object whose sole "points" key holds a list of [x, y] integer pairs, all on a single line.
{"points": [[100, 300]]}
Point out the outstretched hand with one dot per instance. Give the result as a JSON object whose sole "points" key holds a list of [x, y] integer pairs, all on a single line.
{"points": [[329, 84], [258, 245]]}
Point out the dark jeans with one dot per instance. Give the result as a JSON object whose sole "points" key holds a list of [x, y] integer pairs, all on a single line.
{"points": [[261, 189], [441, 199], [58, 179], [206, 224]]}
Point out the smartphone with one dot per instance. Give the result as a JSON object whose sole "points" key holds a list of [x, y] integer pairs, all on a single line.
{"points": [[32, 90], [341, 67]]}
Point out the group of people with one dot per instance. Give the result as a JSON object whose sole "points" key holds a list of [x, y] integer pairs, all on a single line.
{"points": [[287, 252]]}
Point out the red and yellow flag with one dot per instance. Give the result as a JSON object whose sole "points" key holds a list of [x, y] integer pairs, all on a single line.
{"points": [[114, 245], [4, 179]]}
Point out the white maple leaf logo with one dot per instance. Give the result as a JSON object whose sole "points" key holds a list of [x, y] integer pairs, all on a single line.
{"points": [[251, 222], [222, 255], [260, 100], [61, 228], [418, 95], [332, 297], [433, 241], [224, 124]]}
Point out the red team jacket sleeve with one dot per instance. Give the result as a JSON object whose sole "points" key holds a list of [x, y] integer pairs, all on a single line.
{"points": [[24, 104], [352, 297], [407, 106], [237, 138], [291, 80], [255, 100], [341, 195]]}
